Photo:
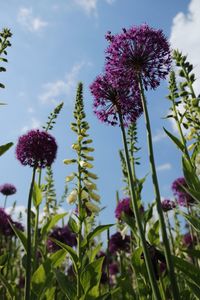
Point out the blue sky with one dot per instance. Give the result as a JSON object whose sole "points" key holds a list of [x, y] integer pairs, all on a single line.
{"points": [[55, 45]]}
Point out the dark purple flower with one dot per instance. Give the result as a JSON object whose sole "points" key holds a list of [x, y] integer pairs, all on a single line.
{"points": [[119, 243], [167, 205], [124, 207], [5, 221], [111, 98], [187, 240], [179, 192], [62, 234], [36, 149], [7, 189], [139, 51], [113, 268]]}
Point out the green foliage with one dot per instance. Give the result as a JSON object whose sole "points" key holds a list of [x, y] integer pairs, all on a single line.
{"points": [[5, 147], [52, 117], [5, 36]]}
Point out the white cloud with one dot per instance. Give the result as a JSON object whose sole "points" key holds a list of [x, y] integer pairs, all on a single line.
{"points": [[185, 36], [53, 91], [164, 167], [34, 124], [90, 6], [160, 135], [30, 22]]}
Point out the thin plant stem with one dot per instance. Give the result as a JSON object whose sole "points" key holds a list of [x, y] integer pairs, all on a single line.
{"points": [[35, 242], [28, 259], [5, 202], [108, 258], [170, 232], [148, 262], [175, 291]]}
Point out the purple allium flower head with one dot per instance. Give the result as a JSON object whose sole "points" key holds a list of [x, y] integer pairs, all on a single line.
{"points": [[117, 243], [62, 234], [36, 149], [113, 268], [113, 97], [7, 189], [124, 207], [139, 51], [187, 240], [167, 205], [181, 195], [5, 227]]}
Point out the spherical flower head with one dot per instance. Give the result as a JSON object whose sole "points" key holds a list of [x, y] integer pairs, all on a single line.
{"points": [[139, 51], [181, 195], [119, 243], [187, 240], [62, 234], [167, 205], [112, 97], [124, 207], [8, 189], [36, 149], [5, 220]]}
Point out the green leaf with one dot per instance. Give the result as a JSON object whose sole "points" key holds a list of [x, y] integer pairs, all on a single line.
{"points": [[189, 270], [2, 85], [195, 222], [20, 234], [37, 195], [99, 229], [175, 140], [5, 147], [90, 278], [190, 175], [194, 289], [66, 286], [51, 223], [73, 225], [57, 258], [69, 250], [7, 286], [3, 259], [153, 234]]}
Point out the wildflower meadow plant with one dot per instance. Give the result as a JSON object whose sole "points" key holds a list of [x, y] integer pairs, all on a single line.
{"points": [[153, 252]]}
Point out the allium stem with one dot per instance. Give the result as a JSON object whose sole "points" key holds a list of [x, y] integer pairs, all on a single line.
{"points": [[148, 262], [170, 266], [5, 202], [36, 227], [28, 260]]}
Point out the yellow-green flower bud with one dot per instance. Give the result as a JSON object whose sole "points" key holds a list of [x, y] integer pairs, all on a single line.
{"points": [[85, 164], [92, 175], [75, 146], [84, 195], [90, 185], [69, 161], [70, 177], [92, 207], [72, 197], [94, 196]]}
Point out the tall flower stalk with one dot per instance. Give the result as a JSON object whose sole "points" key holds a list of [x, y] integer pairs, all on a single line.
{"points": [[38, 150], [158, 198]]}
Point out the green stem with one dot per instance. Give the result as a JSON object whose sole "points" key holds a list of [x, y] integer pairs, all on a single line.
{"points": [[108, 259], [175, 291], [5, 202], [148, 262], [35, 241], [28, 257], [170, 233]]}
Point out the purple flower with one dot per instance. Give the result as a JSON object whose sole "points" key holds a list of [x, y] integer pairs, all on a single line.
{"points": [[119, 243], [181, 195], [124, 207], [139, 51], [5, 221], [187, 240], [7, 189], [36, 149], [167, 205], [112, 98], [113, 268], [62, 234]]}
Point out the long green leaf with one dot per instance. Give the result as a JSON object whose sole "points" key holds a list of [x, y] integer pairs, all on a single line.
{"points": [[175, 140], [65, 285], [99, 229], [37, 195], [90, 278], [188, 269], [69, 250], [20, 234], [8, 287], [195, 222], [5, 147], [51, 223]]}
